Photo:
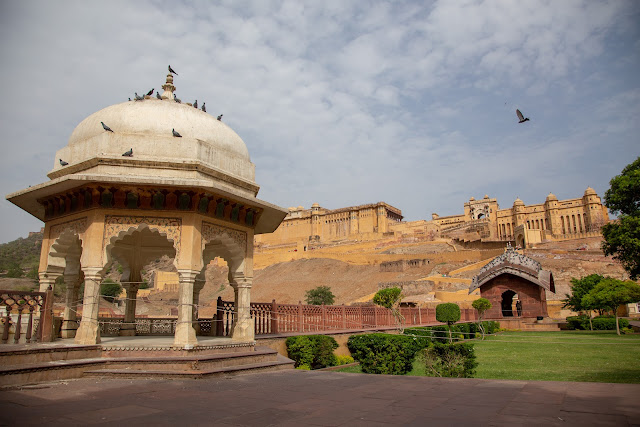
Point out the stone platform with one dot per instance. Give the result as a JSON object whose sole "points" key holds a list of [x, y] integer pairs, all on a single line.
{"points": [[134, 357]]}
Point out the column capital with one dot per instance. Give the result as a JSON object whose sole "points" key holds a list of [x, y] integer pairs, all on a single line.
{"points": [[93, 273], [185, 275]]}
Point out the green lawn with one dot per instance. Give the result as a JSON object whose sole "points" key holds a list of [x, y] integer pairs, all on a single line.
{"points": [[599, 356]]}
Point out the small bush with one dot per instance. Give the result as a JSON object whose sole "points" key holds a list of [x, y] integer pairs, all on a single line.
{"points": [[600, 323], [383, 353], [315, 351], [422, 335], [451, 360], [344, 360]]}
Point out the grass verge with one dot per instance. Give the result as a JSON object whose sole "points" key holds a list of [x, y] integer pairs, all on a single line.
{"points": [[579, 356]]}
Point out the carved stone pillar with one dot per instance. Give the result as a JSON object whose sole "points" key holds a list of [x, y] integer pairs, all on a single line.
{"points": [[128, 328], [69, 319], [243, 329], [89, 330], [197, 287], [185, 336]]}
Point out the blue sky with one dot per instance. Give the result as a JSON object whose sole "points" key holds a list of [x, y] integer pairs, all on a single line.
{"points": [[343, 102]]}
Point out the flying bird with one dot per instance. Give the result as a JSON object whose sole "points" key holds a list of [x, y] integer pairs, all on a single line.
{"points": [[171, 70], [128, 153], [203, 107], [175, 98], [138, 98], [158, 95], [150, 92], [63, 163], [195, 104], [105, 127], [176, 134], [220, 117], [521, 117]]}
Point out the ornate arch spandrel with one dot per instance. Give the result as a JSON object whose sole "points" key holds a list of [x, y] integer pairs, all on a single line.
{"points": [[118, 226], [77, 227], [212, 232]]}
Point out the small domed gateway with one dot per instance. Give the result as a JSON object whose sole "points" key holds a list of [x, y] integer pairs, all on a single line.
{"points": [[126, 188]]}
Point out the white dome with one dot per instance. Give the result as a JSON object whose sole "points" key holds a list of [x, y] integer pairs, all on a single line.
{"points": [[155, 118]]}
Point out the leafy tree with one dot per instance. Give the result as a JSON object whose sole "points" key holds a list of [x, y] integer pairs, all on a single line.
{"points": [[321, 295], [610, 293], [448, 313], [15, 271], [622, 237], [390, 298], [481, 305], [110, 289], [580, 288]]}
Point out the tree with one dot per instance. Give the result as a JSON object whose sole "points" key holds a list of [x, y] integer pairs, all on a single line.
{"points": [[110, 289], [481, 305], [610, 293], [622, 237], [448, 313], [321, 295], [390, 298], [15, 271], [580, 288]]}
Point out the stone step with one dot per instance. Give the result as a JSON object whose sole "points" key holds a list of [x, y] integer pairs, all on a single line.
{"points": [[30, 354], [192, 363], [47, 371], [280, 363]]}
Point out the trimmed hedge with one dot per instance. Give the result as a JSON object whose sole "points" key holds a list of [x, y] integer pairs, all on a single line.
{"points": [[312, 351], [450, 360], [428, 334], [600, 323], [384, 354]]}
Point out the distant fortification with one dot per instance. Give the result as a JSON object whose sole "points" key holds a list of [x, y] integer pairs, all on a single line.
{"points": [[483, 223]]}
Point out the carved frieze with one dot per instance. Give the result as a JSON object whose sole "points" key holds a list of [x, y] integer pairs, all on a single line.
{"points": [[115, 224], [77, 227]]}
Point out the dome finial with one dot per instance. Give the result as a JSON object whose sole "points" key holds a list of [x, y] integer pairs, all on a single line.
{"points": [[168, 87]]}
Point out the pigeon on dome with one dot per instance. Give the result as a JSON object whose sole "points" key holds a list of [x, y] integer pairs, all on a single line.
{"points": [[176, 134], [175, 98], [195, 104], [128, 153], [220, 117], [171, 70], [138, 98], [105, 127], [63, 163], [158, 95], [150, 92], [203, 107]]}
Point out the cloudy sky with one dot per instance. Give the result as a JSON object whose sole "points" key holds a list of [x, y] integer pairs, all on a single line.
{"points": [[343, 102]]}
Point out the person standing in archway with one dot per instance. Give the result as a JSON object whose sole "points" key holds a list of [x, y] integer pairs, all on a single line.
{"points": [[519, 308]]}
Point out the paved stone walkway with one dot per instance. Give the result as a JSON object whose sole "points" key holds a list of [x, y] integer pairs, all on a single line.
{"points": [[298, 398]]}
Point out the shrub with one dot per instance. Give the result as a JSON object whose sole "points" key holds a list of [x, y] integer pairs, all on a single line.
{"points": [[383, 353], [600, 323], [110, 289], [448, 313], [344, 360], [422, 335], [451, 360], [321, 295], [315, 351], [387, 297]]}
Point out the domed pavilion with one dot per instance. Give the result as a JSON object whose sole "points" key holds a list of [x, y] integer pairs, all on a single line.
{"points": [[159, 178]]}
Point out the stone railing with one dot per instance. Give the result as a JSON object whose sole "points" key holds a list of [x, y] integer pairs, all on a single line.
{"points": [[28, 316]]}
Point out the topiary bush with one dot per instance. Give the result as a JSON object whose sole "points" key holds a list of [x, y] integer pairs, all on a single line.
{"points": [[448, 313], [384, 354], [450, 360], [314, 351]]}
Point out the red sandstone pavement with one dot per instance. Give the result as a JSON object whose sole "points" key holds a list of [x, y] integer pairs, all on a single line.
{"points": [[298, 398]]}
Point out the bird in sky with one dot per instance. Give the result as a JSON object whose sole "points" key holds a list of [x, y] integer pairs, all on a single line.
{"points": [[171, 70], [176, 134], [220, 117], [158, 95], [105, 127], [521, 117], [63, 163], [138, 98], [195, 104], [128, 153], [150, 92], [203, 107]]}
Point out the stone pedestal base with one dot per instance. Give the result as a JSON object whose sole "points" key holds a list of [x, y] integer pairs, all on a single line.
{"points": [[88, 333], [127, 331], [69, 329], [185, 336]]}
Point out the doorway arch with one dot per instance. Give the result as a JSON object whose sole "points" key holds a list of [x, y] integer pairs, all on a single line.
{"points": [[506, 303]]}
